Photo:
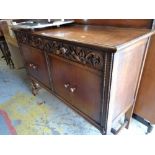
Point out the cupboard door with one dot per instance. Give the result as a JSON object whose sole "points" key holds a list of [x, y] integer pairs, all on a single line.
{"points": [[36, 64], [79, 86]]}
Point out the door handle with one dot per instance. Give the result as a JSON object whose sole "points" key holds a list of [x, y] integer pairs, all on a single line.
{"points": [[66, 85], [72, 90]]}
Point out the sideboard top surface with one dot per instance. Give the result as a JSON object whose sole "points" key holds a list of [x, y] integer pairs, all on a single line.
{"points": [[102, 36]]}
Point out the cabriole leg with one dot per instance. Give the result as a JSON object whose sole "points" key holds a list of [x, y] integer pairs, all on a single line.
{"points": [[35, 87]]}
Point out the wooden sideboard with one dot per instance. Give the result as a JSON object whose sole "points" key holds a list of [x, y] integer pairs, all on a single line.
{"points": [[95, 70]]}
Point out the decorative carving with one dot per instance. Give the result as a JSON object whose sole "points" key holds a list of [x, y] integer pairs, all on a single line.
{"points": [[83, 55], [95, 59], [22, 37], [36, 42], [47, 47], [79, 54]]}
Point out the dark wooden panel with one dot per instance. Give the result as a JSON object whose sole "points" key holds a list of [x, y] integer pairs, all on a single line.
{"points": [[133, 23], [84, 87], [127, 64], [145, 104], [36, 64]]}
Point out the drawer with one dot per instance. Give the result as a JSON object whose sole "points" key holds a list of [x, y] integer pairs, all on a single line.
{"points": [[36, 64], [79, 86]]}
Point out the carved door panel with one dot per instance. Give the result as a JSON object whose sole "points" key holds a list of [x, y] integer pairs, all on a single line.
{"points": [[36, 64], [81, 87]]}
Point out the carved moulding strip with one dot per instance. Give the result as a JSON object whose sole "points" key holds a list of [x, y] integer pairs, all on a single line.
{"points": [[22, 37], [36, 42], [106, 90], [84, 55], [75, 53]]}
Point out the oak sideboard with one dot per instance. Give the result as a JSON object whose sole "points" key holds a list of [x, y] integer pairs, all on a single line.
{"points": [[94, 69]]}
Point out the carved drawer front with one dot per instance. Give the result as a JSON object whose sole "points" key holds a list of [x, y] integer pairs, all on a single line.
{"points": [[80, 87], [36, 64]]}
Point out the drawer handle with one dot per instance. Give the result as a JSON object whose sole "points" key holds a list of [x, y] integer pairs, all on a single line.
{"points": [[66, 85], [72, 90], [33, 66]]}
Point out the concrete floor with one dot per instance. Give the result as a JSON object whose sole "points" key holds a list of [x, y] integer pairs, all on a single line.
{"points": [[15, 94]]}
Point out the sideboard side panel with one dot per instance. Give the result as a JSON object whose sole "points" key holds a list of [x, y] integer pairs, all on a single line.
{"points": [[126, 74]]}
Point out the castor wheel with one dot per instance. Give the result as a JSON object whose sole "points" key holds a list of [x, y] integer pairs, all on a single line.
{"points": [[145, 122], [149, 129]]}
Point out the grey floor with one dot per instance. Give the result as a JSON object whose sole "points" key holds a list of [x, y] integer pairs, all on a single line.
{"points": [[15, 81]]}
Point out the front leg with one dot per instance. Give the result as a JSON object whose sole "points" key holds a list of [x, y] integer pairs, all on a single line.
{"points": [[35, 87]]}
